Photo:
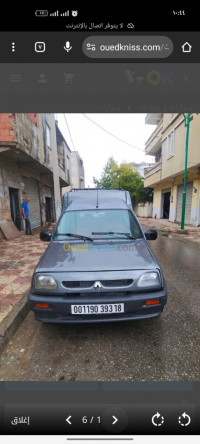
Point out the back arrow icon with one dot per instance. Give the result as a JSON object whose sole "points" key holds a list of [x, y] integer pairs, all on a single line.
{"points": [[115, 420], [68, 420]]}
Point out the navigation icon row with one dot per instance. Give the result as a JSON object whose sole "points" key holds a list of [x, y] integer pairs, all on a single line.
{"points": [[41, 47], [158, 420], [42, 78]]}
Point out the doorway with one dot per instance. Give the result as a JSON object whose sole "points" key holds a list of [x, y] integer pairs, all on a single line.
{"points": [[15, 207], [49, 209], [166, 204]]}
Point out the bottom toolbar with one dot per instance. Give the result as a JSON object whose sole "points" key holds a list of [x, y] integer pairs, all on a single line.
{"points": [[98, 419]]}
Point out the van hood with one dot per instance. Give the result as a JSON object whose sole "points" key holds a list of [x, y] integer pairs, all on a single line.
{"points": [[96, 256]]}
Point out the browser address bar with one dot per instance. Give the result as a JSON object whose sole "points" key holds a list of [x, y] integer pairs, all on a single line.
{"points": [[127, 47]]}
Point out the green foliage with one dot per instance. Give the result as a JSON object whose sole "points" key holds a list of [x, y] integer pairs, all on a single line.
{"points": [[123, 176], [109, 177]]}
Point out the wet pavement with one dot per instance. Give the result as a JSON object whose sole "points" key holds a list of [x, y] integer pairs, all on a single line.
{"points": [[190, 233], [161, 349]]}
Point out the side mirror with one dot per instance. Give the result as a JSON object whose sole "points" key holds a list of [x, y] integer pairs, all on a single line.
{"points": [[151, 234], [45, 236]]}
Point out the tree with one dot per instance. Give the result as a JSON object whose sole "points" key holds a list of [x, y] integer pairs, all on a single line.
{"points": [[109, 175], [146, 195], [123, 176]]}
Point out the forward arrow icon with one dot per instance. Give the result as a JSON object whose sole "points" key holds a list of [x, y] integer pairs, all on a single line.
{"points": [[115, 420]]}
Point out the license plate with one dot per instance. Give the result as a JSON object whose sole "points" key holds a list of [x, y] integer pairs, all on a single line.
{"points": [[97, 309]]}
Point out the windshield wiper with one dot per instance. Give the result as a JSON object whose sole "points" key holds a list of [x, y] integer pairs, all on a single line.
{"points": [[116, 232], [78, 236]]}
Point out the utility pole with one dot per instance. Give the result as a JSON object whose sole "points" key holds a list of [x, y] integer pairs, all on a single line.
{"points": [[56, 180], [187, 125]]}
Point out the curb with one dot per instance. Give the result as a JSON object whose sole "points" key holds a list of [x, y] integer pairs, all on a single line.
{"points": [[175, 234], [10, 324]]}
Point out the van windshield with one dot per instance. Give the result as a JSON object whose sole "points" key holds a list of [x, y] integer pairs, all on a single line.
{"points": [[105, 223]]}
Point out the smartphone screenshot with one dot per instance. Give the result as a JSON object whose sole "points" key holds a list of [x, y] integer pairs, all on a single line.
{"points": [[99, 223]]}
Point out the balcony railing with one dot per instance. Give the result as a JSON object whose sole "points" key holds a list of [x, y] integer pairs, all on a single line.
{"points": [[149, 172]]}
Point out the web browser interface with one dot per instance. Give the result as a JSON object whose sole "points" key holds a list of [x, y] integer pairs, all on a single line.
{"points": [[99, 223]]}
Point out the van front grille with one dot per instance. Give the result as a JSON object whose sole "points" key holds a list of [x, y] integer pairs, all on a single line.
{"points": [[78, 284], [106, 283], [117, 283]]}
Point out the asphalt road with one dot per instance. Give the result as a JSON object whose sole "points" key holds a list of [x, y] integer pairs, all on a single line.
{"points": [[162, 349]]}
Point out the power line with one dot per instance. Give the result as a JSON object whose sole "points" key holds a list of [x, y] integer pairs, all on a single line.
{"points": [[69, 132], [113, 135]]}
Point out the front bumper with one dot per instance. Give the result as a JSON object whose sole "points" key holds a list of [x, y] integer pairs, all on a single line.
{"points": [[60, 307]]}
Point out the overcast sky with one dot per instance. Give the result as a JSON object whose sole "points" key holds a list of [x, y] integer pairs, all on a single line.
{"points": [[95, 146]]}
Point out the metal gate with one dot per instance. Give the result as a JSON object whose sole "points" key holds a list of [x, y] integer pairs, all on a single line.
{"points": [[189, 190], [31, 188]]}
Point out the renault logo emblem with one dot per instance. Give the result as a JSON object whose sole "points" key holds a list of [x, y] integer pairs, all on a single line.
{"points": [[97, 285]]}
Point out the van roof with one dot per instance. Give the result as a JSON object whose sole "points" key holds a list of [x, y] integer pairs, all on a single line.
{"points": [[80, 204], [93, 198]]}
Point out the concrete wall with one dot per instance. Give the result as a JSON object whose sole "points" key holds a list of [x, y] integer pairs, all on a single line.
{"points": [[168, 118], [157, 202], [173, 203], [144, 209]]}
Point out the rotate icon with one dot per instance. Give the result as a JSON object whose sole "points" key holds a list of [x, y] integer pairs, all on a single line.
{"points": [[157, 419], [184, 420]]}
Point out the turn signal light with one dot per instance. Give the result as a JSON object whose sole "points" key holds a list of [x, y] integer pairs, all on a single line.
{"points": [[42, 306], [153, 302]]}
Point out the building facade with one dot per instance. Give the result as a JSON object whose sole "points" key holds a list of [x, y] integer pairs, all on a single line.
{"points": [[77, 170], [77, 174], [167, 144], [32, 153]]}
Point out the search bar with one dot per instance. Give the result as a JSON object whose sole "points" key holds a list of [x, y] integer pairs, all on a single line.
{"points": [[127, 47]]}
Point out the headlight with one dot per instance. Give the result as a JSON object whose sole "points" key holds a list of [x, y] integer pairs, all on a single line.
{"points": [[148, 280], [45, 283]]}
